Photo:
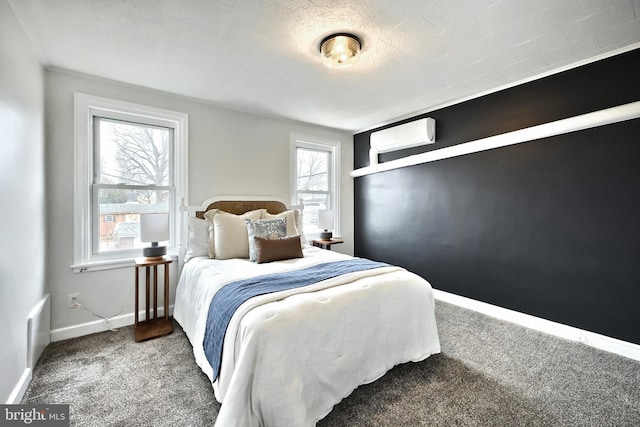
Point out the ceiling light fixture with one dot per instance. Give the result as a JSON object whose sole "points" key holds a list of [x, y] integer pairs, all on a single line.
{"points": [[340, 50]]}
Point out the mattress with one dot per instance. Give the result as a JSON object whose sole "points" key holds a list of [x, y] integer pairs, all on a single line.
{"points": [[289, 357]]}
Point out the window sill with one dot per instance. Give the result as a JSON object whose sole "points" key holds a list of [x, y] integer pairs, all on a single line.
{"points": [[90, 266]]}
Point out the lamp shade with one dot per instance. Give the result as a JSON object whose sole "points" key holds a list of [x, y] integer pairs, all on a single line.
{"points": [[325, 220], [154, 227]]}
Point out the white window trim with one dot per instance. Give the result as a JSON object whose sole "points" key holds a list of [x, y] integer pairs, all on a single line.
{"points": [[85, 108], [317, 143]]}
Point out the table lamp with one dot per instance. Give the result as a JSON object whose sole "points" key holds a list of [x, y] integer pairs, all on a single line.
{"points": [[154, 228], [325, 221]]}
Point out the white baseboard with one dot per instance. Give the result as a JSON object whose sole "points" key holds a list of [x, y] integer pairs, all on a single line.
{"points": [[88, 328], [592, 339], [602, 342], [21, 388]]}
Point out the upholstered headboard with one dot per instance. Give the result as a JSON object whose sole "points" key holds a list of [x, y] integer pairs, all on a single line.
{"points": [[239, 207]]}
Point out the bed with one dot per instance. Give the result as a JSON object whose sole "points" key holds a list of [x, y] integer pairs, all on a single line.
{"points": [[289, 356]]}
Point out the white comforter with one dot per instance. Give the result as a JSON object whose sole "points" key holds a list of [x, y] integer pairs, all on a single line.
{"points": [[289, 357]]}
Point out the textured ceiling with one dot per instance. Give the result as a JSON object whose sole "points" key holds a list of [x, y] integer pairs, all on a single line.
{"points": [[262, 56]]}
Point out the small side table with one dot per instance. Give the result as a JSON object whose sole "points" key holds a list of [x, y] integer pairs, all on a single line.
{"points": [[152, 328], [326, 243]]}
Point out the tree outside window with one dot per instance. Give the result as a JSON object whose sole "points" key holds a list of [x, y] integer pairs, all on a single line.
{"points": [[133, 177]]}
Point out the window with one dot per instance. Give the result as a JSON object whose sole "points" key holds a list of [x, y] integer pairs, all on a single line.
{"points": [[315, 180], [130, 160]]}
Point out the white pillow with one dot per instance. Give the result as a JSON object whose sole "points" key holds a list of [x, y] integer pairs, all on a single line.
{"points": [[208, 216], [228, 237], [198, 238], [294, 221]]}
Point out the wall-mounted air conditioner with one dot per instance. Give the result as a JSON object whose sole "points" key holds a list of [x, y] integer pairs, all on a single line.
{"points": [[408, 135]]}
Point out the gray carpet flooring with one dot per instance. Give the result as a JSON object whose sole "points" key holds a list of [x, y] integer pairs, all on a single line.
{"points": [[490, 373]]}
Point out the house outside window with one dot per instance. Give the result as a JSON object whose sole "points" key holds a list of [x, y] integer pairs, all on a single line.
{"points": [[130, 161], [315, 180]]}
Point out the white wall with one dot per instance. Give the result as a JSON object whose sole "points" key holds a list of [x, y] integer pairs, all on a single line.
{"points": [[230, 153], [22, 223]]}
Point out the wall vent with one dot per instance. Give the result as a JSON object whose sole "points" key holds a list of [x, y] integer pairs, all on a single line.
{"points": [[38, 331]]}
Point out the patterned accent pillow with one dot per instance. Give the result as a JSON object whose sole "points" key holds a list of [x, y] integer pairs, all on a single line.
{"points": [[268, 229], [294, 221]]}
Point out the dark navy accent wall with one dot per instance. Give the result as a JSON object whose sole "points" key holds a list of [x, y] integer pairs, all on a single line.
{"points": [[549, 227]]}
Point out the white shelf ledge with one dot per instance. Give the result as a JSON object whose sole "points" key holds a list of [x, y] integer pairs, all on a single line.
{"points": [[572, 124]]}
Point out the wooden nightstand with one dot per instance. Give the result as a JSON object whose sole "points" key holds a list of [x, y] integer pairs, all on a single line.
{"points": [[326, 243], [152, 328]]}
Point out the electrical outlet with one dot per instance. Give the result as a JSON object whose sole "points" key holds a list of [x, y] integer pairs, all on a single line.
{"points": [[73, 299]]}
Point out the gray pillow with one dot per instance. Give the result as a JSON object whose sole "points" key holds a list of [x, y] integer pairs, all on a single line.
{"points": [[268, 229]]}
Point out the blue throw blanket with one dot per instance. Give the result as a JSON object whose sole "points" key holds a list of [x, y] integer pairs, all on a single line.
{"points": [[231, 296]]}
